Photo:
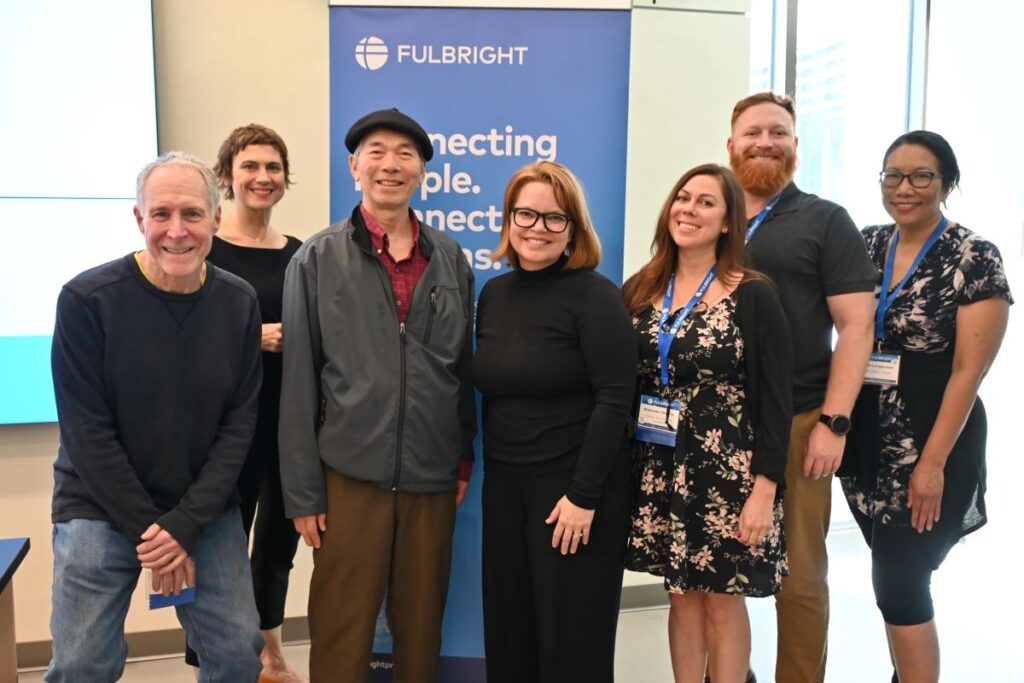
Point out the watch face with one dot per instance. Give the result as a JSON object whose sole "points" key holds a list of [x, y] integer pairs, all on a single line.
{"points": [[840, 424]]}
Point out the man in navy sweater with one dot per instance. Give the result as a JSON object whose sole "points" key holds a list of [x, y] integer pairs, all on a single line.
{"points": [[156, 372]]}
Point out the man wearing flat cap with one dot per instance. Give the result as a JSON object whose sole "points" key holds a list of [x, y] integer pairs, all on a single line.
{"points": [[377, 410]]}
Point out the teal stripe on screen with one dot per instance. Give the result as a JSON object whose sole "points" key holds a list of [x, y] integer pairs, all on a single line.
{"points": [[26, 386]]}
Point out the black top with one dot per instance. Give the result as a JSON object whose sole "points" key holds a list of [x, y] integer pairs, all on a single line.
{"points": [[812, 250], [156, 399], [891, 424], [556, 364], [264, 270], [261, 268], [768, 385]]}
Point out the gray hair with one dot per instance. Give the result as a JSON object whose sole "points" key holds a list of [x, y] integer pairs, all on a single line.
{"points": [[180, 159]]}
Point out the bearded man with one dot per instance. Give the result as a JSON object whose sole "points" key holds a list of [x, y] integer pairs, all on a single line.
{"points": [[813, 251]]}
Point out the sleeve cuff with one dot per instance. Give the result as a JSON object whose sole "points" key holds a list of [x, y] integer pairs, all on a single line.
{"points": [[581, 501], [465, 470], [775, 471], [181, 529]]}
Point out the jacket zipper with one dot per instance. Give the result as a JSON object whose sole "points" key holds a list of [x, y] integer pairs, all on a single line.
{"points": [[430, 313], [401, 406]]}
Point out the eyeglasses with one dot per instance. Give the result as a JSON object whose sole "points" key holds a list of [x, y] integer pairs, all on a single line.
{"points": [[553, 221], [918, 179]]}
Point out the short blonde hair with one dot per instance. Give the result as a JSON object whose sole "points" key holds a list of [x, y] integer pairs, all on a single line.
{"points": [[584, 246]]}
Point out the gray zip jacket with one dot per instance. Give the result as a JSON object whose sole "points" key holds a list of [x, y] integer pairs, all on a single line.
{"points": [[375, 400]]}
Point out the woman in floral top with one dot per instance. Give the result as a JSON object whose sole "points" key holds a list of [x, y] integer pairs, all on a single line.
{"points": [[914, 467], [712, 425]]}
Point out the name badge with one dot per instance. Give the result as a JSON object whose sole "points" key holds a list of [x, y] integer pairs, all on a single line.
{"points": [[883, 369], [157, 600], [658, 420]]}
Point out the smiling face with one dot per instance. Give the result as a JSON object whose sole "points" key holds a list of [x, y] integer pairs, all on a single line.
{"points": [[697, 217], [389, 168], [257, 177], [914, 207], [762, 149], [178, 224], [538, 247]]}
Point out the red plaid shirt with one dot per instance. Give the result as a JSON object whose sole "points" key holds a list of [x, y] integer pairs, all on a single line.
{"points": [[403, 274]]}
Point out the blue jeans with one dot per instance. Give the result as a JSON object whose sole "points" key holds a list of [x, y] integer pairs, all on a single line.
{"points": [[95, 571]]}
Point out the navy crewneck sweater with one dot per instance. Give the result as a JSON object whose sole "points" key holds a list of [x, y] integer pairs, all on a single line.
{"points": [[156, 398]]}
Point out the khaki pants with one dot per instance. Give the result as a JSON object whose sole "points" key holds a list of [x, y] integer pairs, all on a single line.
{"points": [[802, 604], [377, 540]]}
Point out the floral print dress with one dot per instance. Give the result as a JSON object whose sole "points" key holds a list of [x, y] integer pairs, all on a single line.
{"points": [[690, 497], [960, 269]]}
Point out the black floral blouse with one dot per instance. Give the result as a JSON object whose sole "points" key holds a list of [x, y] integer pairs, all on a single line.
{"points": [[960, 269], [686, 516]]}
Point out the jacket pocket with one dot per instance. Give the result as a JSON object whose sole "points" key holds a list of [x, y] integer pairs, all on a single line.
{"points": [[445, 305], [434, 291]]}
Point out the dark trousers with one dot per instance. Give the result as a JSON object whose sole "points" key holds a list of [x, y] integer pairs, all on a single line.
{"points": [[274, 539], [550, 617], [902, 563]]}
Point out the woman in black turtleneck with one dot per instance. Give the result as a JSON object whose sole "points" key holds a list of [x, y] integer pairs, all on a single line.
{"points": [[556, 364]]}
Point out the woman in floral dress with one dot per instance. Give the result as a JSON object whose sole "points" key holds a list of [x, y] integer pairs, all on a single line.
{"points": [[914, 467], [712, 425]]}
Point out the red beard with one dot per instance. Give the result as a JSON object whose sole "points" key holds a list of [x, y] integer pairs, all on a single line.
{"points": [[760, 179]]}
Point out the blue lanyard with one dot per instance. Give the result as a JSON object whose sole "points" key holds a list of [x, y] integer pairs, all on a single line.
{"points": [[885, 298], [665, 336], [759, 219]]}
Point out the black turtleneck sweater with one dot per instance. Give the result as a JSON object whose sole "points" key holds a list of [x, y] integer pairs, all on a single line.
{"points": [[556, 364]]}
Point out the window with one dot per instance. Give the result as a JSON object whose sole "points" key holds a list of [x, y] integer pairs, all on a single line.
{"points": [[856, 79]]}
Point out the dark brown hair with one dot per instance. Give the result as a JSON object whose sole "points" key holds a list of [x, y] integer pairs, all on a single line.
{"points": [[652, 280], [239, 139]]}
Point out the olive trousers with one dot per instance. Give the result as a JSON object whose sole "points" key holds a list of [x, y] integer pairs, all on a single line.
{"points": [[802, 604], [376, 541]]}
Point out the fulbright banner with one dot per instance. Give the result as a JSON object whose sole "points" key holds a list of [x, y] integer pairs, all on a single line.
{"points": [[495, 89]]}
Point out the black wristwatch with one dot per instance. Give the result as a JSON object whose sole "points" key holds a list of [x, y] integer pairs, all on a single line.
{"points": [[839, 424]]}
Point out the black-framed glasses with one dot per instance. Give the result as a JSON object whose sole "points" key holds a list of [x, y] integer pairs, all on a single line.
{"points": [[553, 221], [918, 179]]}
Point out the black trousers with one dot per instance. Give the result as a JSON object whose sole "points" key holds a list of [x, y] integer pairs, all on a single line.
{"points": [[274, 539], [902, 563], [550, 617]]}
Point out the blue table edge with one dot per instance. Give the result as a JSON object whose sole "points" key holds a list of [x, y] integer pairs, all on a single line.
{"points": [[12, 552]]}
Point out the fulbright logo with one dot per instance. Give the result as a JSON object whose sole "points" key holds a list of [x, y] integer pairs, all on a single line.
{"points": [[371, 53]]}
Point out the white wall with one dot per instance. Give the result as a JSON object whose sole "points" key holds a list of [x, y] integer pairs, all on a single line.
{"points": [[687, 70]]}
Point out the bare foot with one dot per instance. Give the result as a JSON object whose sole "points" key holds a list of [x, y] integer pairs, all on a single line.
{"points": [[278, 671]]}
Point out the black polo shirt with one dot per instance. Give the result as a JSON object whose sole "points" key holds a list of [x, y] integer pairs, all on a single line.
{"points": [[812, 250]]}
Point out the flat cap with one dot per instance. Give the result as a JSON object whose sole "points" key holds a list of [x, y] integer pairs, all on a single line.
{"points": [[391, 119]]}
